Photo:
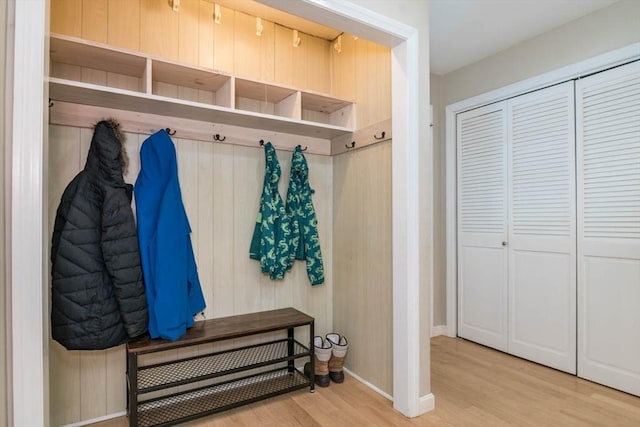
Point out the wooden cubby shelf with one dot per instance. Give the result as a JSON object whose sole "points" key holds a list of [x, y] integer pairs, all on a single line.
{"points": [[134, 82]]}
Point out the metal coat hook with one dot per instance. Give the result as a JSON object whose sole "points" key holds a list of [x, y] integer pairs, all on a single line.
{"points": [[261, 142], [353, 144], [302, 149], [217, 137], [381, 136], [168, 130]]}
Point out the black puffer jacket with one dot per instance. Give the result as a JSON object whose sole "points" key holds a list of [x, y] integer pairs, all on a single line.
{"points": [[97, 293]]}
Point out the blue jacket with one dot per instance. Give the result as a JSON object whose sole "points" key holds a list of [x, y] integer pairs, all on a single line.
{"points": [[168, 264]]}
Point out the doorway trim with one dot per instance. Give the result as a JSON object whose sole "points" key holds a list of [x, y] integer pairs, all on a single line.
{"points": [[582, 68], [29, 325]]}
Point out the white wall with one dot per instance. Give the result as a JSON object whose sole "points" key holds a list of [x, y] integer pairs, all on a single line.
{"points": [[599, 32], [439, 231], [3, 289], [607, 29]]}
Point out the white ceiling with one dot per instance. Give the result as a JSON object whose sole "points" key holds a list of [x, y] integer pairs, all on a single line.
{"points": [[465, 31]]}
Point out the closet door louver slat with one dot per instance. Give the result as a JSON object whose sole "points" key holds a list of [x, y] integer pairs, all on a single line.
{"points": [[531, 186], [482, 222], [608, 147], [542, 227], [482, 167]]}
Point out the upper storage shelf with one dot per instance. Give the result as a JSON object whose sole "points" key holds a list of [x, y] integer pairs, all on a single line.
{"points": [[89, 73]]}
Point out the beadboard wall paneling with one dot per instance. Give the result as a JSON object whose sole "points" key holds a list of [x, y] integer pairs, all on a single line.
{"points": [[221, 186], [254, 56], [363, 261], [223, 41], [95, 15], [123, 23], [189, 31], [66, 17], [361, 70], [284, 71], [205, 34], [159, 29]]}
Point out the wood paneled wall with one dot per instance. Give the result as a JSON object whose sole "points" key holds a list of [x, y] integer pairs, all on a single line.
{"points": [[362, 71], [362, 259], [191, 36], [221, 186]]}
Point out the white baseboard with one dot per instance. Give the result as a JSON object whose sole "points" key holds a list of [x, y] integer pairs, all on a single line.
{"points": [[96, 420], [427, 403], [368, 384], [438, 330]]}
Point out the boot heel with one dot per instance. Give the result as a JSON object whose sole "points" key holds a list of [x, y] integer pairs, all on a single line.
{"points": [[339, 348], [321, 356]]}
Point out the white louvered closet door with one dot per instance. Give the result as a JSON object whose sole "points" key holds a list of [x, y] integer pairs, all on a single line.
{"points": [[542, 227], [608, 171], [482, 225]]}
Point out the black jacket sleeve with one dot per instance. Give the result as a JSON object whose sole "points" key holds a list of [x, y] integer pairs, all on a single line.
{"points": [[122, 259]]}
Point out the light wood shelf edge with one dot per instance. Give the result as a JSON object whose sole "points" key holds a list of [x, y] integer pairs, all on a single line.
{"points": [[86, 116], [96, 95], [364, 137]]}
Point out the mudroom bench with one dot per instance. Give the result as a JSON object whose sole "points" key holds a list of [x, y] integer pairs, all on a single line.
{"points": [[220, 380]]}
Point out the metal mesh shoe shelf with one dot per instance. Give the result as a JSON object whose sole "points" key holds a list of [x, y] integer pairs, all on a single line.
{"points": [[208, 400], [174, 373], [206, 384]]}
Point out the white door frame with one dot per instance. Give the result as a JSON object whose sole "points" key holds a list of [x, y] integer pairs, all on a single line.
{"points": [[588, 66], [30, 311]]}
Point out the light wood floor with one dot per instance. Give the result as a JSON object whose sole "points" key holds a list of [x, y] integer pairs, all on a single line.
{"points": [[473, 385]]}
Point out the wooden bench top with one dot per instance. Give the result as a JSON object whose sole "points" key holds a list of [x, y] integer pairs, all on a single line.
{"points": [[226, 328]]}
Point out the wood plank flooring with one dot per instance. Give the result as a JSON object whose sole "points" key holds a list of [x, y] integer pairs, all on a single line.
{"points": [[473, 385]]}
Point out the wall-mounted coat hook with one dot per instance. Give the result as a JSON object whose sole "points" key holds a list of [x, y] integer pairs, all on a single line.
{"points": [[217, 137], [302, 149], [261, 142], [353, 144], [379, 137], [170, 132]]}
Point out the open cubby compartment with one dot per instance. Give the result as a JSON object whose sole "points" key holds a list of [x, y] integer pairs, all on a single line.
{"points": [[191, 83], [265, 98], [86, 62], [321, 108]]}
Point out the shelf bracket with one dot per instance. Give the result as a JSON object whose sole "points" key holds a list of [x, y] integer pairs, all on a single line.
{"points": [[217, 13]]}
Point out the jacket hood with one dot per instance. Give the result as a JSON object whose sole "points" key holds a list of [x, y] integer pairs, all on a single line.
{"points": [[157, 187], [299, 165], [107, 155], [158, 161], [272, 175]]}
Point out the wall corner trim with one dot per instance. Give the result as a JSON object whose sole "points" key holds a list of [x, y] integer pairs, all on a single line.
{"points": [[427, 403], [438, 330]]}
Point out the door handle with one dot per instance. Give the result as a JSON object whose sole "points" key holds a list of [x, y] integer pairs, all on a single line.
{"points": [[504, 243]]}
